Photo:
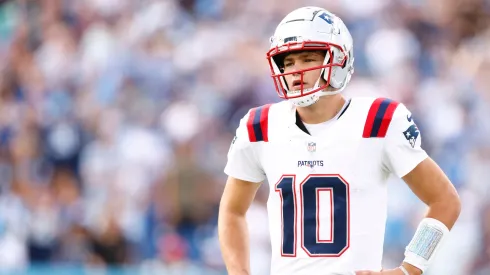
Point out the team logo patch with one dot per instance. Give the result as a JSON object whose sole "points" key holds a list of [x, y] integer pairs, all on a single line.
{"points": [[311, 146], [411, 134]]}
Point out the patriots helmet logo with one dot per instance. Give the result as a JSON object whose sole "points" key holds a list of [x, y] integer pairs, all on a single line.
{"points": [[411, 134]]}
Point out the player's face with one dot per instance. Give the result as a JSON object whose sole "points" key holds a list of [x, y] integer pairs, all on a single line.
{"points": [[301, 61]]}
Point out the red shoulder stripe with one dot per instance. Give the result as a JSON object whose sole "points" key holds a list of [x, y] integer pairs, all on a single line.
{"points": [[258, 124], [387, 119], [250, 126], [264, 122], [368, 126]]}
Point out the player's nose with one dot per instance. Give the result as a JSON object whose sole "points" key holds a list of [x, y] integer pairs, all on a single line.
{"points": [[297, 73]]}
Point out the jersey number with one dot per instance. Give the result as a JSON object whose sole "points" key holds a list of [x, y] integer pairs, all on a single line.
{"points": [[308, 206]]}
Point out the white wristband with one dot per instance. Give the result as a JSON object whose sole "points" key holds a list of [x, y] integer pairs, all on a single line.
{"points": [[404, 270], [425, 242]]}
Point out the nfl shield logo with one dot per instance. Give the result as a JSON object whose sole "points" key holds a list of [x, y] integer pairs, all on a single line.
{"points": [[311, 146]]}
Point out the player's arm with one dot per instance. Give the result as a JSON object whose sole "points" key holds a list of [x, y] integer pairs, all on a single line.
{"points": [[406, 158], [232, 226], [432, 186], [244, 175]]}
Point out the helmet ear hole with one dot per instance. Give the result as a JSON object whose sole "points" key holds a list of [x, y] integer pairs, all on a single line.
{"points": [[345, 62], [346, 59]]}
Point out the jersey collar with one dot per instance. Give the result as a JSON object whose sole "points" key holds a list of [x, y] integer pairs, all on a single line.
{"points": [[301, 125]]}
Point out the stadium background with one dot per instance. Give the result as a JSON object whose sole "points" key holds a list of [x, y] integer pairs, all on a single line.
{"points": [[116, 117]]}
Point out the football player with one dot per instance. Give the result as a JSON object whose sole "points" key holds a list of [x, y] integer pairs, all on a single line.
{"points": [[327, 160]]}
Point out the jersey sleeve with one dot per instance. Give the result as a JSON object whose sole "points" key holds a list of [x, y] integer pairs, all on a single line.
{"points": [[243, 162], [402, 150]]}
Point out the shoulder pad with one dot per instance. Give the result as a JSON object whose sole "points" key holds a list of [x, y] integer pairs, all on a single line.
{"points": [[379, 118], [257, 123]]}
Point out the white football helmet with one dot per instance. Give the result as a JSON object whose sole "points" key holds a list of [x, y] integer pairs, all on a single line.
{"points": [[312, 28]]}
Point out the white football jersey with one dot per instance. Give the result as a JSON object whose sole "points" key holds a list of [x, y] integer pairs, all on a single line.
{"points": [[328, 192]]}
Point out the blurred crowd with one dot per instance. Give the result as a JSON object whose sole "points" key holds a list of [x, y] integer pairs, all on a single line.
{"points": [[116, 117]]}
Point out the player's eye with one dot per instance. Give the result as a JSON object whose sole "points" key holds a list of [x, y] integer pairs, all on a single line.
{"points": [[309, 60], [288, 64]]}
